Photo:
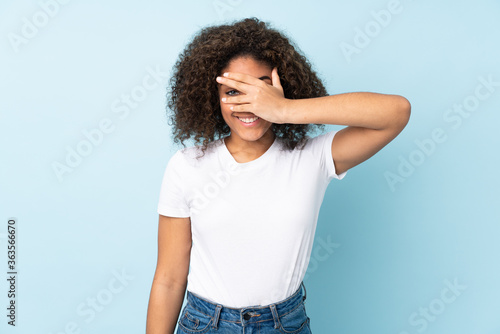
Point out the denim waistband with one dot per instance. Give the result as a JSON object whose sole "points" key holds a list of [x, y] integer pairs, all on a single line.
{"points": [[249, 314]]}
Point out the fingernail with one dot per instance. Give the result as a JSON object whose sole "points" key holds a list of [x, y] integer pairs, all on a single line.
{"points": [[226, 74], [223, 99]]}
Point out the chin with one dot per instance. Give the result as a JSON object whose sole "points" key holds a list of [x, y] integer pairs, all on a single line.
{"points": [[250, 136]]}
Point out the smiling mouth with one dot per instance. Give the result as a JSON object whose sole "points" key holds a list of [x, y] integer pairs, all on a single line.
{"points": [[248, 119]]}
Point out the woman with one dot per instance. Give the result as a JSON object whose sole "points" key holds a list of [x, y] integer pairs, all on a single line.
{"points": [[238, 212]]}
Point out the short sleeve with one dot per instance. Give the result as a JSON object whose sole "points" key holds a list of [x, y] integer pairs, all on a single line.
{"points": [[322, 148], [172, 201]]}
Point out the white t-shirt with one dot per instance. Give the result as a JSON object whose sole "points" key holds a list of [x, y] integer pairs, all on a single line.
{"points": [[252, 223]]}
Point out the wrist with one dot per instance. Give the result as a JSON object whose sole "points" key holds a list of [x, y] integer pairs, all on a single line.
{"points": [[287, 111]]}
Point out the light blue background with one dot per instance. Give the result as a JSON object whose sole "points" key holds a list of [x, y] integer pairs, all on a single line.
{"points": [[394, 247]]}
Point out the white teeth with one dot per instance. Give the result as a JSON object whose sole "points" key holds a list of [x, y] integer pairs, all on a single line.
{"points": [[248, 120]]}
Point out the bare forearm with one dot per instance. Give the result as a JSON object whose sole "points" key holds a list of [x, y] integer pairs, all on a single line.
{"points": [[165, 304], [363, 109]]}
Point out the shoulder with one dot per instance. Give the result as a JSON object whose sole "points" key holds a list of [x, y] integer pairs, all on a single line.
{"points": [[193, 156], [318, 142]]}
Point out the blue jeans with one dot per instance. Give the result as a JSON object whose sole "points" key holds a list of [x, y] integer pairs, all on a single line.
{"points": [[287, 316]]}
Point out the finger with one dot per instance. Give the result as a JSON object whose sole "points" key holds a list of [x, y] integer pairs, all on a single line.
{"points": [[242, 77], [241, 107], [276, 78], [236, 99], [242, 87]]}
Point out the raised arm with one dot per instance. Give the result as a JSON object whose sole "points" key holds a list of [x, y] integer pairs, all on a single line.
{"points": [[373, 120]]}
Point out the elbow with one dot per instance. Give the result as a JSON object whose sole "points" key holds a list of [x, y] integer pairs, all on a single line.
{"points": [[173, 283], [402, 112]]}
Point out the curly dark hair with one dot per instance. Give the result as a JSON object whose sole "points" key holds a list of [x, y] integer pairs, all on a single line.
{"points": [[193, 94]]}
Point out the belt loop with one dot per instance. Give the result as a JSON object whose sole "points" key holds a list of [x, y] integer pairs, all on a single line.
{"points": [[305, 292], [216, 316], [275, 316]]}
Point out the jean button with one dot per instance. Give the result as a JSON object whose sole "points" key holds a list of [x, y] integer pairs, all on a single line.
{"points": [[246, 316]]}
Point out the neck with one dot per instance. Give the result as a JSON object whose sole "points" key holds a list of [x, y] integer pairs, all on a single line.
{"points": [[252, 149]]}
